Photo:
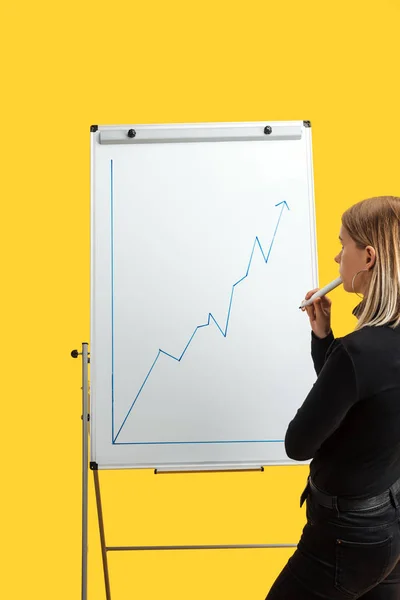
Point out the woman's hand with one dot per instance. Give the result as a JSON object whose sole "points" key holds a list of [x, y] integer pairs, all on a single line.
{"points": [[319, 313]]}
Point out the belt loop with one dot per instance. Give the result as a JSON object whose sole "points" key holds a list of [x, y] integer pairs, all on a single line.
{"points": [[305, 494], [393, 497], [335, 505]]}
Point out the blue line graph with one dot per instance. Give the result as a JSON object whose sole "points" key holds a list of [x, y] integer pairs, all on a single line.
{"points": [[211, 319]]}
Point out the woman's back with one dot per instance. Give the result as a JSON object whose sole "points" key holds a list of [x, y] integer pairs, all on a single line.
{"points": [[362, 456]]}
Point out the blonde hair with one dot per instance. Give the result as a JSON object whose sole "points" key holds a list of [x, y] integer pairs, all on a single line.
{"points": [[376, 222]]}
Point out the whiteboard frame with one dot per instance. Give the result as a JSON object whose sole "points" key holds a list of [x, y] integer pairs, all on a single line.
{"points": [[186, 133]]}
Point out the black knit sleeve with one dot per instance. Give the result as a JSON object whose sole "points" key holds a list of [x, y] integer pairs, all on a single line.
{"points": [[326, 405], [319, 348]]}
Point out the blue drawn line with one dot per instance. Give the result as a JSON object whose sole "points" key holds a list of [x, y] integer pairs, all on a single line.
{"points": [[112, 296], [223, 331]]}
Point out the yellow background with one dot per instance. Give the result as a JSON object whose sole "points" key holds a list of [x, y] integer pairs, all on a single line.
{"points": [[66, 66]]}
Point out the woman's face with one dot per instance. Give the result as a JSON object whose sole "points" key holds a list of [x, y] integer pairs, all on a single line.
{"points": [[352, 260]]}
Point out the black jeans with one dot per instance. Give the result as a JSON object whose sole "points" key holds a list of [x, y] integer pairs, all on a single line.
{"points": [[344, 555]]}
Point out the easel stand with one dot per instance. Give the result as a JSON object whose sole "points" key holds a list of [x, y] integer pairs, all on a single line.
{"points": [[85, 468], [85, 460]]}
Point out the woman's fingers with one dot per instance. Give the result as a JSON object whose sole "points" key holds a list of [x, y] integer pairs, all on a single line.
{"points": [[318, 307], [325, 306], [326, 303], [311, 312], [307, 297], [319, 313], [310, 293], [323, 303]]}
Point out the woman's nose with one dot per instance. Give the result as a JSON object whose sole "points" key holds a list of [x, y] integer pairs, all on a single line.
{"points": [[337, 258]]}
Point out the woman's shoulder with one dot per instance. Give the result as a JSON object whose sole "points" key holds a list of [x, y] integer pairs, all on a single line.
{"points": [[375, 339], [375, 356]]}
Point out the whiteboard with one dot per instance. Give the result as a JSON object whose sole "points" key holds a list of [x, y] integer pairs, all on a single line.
{"points": [[202, 247]]}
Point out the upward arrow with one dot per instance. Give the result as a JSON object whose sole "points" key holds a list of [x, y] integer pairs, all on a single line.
{"points": [[211, 318], [283, 202]]}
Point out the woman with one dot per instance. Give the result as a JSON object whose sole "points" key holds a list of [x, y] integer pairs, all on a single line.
{"points": [[349, 425]]}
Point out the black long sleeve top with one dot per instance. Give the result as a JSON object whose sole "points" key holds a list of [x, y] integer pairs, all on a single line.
{"points": [[349, 424]]}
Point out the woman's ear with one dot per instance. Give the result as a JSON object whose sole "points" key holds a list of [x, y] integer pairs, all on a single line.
{"points": [[371, 256]]}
